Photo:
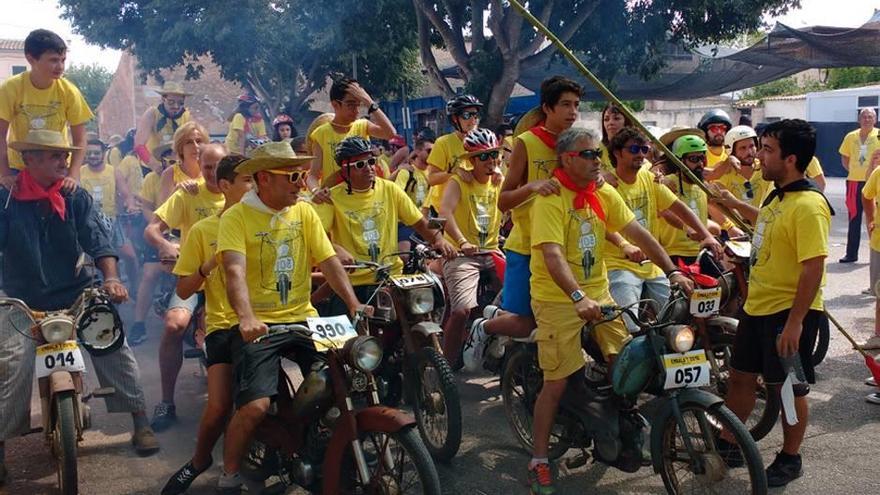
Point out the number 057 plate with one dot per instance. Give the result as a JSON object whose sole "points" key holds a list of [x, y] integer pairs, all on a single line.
{"points": [[688, 370]]}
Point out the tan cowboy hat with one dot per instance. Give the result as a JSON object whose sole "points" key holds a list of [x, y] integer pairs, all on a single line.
{"points": [[172, 88], [43, 141], [161, 149], [528, 120], [678, 131], [269, 156]]}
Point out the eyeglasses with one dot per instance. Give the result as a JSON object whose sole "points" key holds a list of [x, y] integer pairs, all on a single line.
{"points": [[487, 155], [174, 101], [635, 149], [594, 154], [696, 158], [468, 115], [293, 177], [750, 193], [94, 153], [363, 163], [717, 127], [350, 104]]}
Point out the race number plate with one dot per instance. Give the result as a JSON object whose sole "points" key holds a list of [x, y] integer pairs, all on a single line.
{"points": [[687, 370], [331, 332], [705, 302], [64, 356], [414, 280]]}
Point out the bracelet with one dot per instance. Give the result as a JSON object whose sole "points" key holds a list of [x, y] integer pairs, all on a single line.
{"points": [[201, 272], [112, 279], [624, 244], [462, 242], [673, 272]]}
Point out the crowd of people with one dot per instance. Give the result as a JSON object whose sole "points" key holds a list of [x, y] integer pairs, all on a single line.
{"points": [[243, 224]]}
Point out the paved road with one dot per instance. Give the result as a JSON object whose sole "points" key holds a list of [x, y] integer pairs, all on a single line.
{"points": [[840, 452]]}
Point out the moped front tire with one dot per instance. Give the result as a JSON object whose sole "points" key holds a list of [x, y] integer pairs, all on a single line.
{"points": [[65, 444]]}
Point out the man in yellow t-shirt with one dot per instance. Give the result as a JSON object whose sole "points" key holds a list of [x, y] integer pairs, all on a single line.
{"points": [[463, 112], [784, 305], [41, 99], [158, 124], [856, 153], [412, 177], [473, 222], [269, 243], [346, 98], [197, 267], [630, 280], [715, 123], [362, 218], [871, 193], [569, 281], [740, 172], [247, 126], [181, 211]]}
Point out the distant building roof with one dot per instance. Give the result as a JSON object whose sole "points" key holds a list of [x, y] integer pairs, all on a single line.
{"points": [[17, 45]]}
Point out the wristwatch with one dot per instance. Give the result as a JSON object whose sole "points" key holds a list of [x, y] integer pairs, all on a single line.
{"points": [[577, 295], [374, 107]]}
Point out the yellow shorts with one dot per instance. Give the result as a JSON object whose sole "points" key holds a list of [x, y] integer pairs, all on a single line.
{"points": [[559, 337]]}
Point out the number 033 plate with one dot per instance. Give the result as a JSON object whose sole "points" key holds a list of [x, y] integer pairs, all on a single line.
{"points": [[330, 332], [688, 370]]}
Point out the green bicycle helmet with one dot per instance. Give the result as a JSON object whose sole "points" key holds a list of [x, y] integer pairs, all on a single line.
{"points": [[688, 144]]}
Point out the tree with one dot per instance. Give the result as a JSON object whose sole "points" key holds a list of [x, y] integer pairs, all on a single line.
{"points": [[92, 80], [492, 44], [848, 77], [283, 51]]}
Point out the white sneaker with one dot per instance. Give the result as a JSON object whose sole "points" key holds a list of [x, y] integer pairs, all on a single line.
{"points": [[472, 354], [871, 382], [490, 312], [873, 398]]}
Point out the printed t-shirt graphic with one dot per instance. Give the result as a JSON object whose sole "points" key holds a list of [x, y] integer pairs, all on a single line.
{"points": [[414, 184], [102, 186], [859, 153], [327, 138], [477, 214]]}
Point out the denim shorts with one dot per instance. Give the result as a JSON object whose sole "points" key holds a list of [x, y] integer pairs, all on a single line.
{"points": [[516, 295]]}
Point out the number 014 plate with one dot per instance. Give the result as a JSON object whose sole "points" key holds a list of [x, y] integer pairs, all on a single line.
{"points": [[688, 370], [64, 356]]}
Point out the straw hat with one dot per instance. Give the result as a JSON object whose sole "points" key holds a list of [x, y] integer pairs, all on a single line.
{"points": [[161, 149], [269, 156], [172, 88], [528, 120], [678, 131], [42, 141]]}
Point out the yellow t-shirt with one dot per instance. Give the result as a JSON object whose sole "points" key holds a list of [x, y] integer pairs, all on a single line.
{"points": [[645, 198], [166, 133], [27, 108], [871, 191], [365, 224], [582, 237], [150, 192], [131, 169], [712, 159], [541, 160], [757, 188], [200, 246], [247, 130], [787, 233], [417, 189], [287, 244], [605, 161], [327, 138], [446, 155], [814, 169], [102, 186], [859, 154], [476, 214], [675, 241], [114, 156], [182, 210]]}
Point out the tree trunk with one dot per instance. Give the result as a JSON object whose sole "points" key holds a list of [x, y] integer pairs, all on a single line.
{"points": [[501, 91]]}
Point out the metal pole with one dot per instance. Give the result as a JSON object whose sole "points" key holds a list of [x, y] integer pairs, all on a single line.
{"points": [[564, 50], [404, 111]]}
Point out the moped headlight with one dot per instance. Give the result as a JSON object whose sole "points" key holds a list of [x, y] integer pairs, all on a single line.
{"points": [[680, 338], [420, 301], [57, 329], [365, 353]]}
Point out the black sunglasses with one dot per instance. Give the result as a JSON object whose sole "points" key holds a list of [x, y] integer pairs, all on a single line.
{"points": [[635, 149], [696, 158], [363, 163], [487, 154], [467, 115], [593, 154]]}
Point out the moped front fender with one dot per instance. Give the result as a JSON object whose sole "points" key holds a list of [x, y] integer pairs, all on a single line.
{"points": [[667, 410], [375, 419], [427, 328]]}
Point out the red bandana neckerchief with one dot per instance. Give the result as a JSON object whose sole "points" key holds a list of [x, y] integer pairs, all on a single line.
{"points": [[585, 196], [27, 189], [546, 137]]}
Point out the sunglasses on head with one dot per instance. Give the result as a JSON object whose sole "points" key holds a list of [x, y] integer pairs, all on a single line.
{"points": [[467, 115], [695, 158], [487, 155], [593, 154], [636, 148], [291, 176], [363, 163]]}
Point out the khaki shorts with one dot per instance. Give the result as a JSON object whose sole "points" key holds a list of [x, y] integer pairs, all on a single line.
{"points": [[559, 337], [462, 277]]}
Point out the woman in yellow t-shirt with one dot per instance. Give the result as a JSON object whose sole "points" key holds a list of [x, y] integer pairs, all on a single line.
{"points": [[613, 120], [246, 127]]}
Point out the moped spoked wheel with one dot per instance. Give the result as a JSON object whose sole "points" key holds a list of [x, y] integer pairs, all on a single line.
{"points": [[398, 463], [521, 382], [64, 443], [436, 403], [712, 471], [768, 404]]}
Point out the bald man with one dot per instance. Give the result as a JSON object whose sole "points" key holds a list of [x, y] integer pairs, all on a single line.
{"points": [[856, 151]]}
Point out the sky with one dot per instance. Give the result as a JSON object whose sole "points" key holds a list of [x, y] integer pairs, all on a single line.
{"points": [[18, 17]]}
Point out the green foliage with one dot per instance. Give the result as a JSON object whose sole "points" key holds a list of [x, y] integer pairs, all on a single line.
{"points": [[92, 80], [849, 77], [634, 105], [284, 51]]}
